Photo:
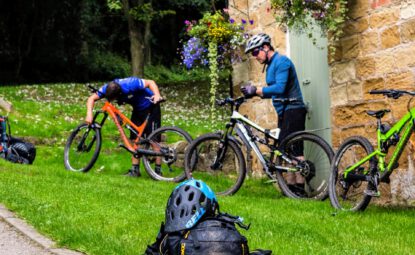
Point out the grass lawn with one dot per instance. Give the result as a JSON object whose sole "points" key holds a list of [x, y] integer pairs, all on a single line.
{"points": [[103, 212]]}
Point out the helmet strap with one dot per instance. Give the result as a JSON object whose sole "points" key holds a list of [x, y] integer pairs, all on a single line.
{"points": [[266, 60]]}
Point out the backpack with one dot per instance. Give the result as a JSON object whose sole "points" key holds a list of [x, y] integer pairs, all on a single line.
{"points": [[213, 235], [13, 149]]}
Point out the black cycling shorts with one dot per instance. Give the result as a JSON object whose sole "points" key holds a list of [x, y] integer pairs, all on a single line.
{"points": [[139, 116], [293, 120]]}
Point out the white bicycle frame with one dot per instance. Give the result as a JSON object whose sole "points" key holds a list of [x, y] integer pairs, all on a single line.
{"points": [[248, 140]]}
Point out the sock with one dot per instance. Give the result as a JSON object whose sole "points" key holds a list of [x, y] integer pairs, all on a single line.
{"points": [[135, 168]]}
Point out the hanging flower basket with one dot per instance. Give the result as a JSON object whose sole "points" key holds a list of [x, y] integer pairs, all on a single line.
{"points": [[329, 15]]}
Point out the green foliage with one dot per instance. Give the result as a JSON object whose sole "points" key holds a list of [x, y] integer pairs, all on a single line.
{"points": [[330, 15], [146, 12], [114, 5], [175, 74], [142, 12], [214, 75], [107, 65], [199, 4]]}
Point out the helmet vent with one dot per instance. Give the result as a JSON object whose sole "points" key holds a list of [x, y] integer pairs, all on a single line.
{"points": [[191, 196], [178, 201], [172, 215], [181, 213], [193, 210], [186, 188], [202, 198], [198, 184]]}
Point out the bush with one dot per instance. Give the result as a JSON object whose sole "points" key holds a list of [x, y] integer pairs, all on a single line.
{"points": [[175, 74], [107, 66]]}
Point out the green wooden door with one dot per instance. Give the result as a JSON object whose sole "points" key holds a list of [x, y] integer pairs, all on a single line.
{"points": [[313, 74]]}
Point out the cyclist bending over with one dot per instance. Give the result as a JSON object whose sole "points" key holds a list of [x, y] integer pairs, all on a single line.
{"points": [[140, 94], [282, 82]]}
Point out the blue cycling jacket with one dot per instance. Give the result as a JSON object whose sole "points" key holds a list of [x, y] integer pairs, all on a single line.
{"points": [[133, 92], [282, 82]]}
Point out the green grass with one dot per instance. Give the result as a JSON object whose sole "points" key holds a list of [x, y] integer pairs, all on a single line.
{"points": [[103, 212]]}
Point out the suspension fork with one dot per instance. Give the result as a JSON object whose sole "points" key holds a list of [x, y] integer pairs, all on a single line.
{"points": [[85, 135], [223, 146]]}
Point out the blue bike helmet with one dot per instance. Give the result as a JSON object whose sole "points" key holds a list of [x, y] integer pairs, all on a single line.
{"points": [[188, 203]]}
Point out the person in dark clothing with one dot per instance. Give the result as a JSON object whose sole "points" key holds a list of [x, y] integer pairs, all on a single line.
{"points": [[141, 95], [282, 82]]}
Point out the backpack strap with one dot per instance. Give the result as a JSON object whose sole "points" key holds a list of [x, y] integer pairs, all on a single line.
{"points": [[233, 219], [157, 247]]}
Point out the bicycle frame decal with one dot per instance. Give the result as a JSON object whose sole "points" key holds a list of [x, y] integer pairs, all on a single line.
{"points": [[252, 144]]}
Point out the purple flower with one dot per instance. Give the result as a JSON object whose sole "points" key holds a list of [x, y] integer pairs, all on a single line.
{"points": [[231, 21], [193, 53], [251, 21], [243, 21]]}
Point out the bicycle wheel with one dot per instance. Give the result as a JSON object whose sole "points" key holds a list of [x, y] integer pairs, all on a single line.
{"points": [[172, 143], [221, 167], [310, 157], [349, 193], [82, 148]]}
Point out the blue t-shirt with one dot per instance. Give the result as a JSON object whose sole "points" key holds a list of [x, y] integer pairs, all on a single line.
{"points": [[133, 92], [282, 82]]}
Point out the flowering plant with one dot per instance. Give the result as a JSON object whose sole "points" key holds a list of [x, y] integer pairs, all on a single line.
{"points": [[215, 40], [330, 15]]}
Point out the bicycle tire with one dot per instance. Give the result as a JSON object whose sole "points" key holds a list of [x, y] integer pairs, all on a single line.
{"points": [[229, 176], [315, 166], [175, 140], [77, 160], [337, 184]]}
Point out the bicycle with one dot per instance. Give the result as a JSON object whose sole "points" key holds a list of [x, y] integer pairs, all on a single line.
{"points": [[164, 146], [217, 158], [357, 168]]}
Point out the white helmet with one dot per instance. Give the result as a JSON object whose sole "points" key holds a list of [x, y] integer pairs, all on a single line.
{"points": [[257, 41]]}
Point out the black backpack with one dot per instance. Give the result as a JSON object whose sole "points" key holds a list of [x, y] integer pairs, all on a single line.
{"points": [[213, 235], [13, 149]]}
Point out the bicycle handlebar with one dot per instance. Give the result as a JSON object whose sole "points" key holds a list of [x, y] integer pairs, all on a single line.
{"points": [[395, 94], [92, 88], [237, 101], [286, 100]]}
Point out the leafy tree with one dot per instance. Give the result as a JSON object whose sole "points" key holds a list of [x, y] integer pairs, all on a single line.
{"points": [[139, 14]]}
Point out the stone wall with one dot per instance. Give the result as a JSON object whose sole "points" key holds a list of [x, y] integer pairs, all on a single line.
{"points": [[376, 52]]}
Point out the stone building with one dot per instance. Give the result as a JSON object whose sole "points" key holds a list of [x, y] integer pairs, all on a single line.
{"points": [[377, 51]]}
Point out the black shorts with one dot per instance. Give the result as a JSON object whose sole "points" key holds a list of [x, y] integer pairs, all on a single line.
{"points": [[292, 121], [139, 116]]}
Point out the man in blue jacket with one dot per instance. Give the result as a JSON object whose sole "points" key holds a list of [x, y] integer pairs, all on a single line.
{"points": [[141, 95], [282, 82]]}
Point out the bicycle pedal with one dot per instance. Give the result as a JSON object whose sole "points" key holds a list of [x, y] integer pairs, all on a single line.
{"points": [[372, 193]]}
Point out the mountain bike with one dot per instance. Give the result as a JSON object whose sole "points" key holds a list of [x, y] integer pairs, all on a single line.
{"points": [[357, 168], [217, 158], [165, 146]]}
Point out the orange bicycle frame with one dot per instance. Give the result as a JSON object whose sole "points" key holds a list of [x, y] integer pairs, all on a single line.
{"points": [[110, 109]]}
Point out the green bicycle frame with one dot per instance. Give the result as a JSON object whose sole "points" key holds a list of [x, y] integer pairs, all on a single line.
{"points": [[408, 121]]}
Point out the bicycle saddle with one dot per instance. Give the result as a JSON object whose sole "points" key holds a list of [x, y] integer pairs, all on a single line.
{"points": [[378, 114]]}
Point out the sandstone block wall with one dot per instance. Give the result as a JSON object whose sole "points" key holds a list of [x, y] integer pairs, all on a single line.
{"points": [[376, 52]]}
